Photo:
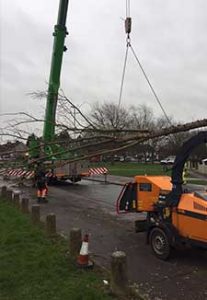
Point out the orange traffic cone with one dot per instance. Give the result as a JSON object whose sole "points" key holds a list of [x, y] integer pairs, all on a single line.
{"points": [[83, 260]]}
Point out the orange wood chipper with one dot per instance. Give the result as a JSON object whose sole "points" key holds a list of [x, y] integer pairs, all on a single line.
{"points": [[175, 216]]}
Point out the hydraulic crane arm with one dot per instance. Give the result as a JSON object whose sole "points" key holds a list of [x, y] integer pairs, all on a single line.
{"points": [[60, 32], [180, 160]]}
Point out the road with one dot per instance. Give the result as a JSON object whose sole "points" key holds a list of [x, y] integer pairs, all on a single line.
{"points": [[91, 207]]}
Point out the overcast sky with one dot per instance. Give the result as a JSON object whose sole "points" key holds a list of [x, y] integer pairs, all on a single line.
{"points": [[169, 37]]}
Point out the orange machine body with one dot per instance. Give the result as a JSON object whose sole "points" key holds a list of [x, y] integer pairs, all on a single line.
{"points": [[189, 217], [148, 190], [174, 216]]}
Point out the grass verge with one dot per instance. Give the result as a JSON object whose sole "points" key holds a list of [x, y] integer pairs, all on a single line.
{"points": [[33, 267], [197, 181], [133, 169]]}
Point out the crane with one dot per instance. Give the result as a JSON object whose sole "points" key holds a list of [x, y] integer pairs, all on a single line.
{"points": [[72, 171]]}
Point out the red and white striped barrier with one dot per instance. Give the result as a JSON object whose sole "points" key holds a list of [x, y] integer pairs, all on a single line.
{"points": [[18, 173], [49, 174], [98, 171], [2, 171]]}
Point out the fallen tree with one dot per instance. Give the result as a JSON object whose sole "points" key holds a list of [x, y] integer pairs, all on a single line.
{"points": [[124, 143]]}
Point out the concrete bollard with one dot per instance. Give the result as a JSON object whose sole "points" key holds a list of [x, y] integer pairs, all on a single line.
{"points": [[25, 205], [119, 280], [36, 213], [75, 241], [51, 224], [16, 199], [3, 191], [9, 196]]}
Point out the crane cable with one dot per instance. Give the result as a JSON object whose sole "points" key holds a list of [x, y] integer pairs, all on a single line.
{"points": [[150, 85], [128, 43], [128, 24], [123, 75], [127, 8]]}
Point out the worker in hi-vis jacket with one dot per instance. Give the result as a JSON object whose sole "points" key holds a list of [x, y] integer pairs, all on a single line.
{"points": [[41, 184]]}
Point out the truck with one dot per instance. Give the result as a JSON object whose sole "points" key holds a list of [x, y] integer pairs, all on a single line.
{"points": [[44, 150], [174, 216]]}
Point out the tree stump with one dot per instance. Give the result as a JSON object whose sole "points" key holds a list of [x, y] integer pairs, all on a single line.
{"points": [[9, 195], [36, 213], [4, 191], [51, 224], [119, 280], [16, 200], [25, 205], [75, 241]]}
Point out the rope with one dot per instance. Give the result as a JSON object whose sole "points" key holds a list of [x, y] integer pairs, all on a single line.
{"points": [[150, 85], [127, 8], [123, 75], [128, 31]]}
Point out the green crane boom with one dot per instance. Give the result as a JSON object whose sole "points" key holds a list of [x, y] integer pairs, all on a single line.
{"points": [[54, 79], [53, 157]]}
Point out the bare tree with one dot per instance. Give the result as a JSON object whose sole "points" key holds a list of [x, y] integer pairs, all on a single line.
{"points": [[109, 129], [110, 116], [142, 117]]}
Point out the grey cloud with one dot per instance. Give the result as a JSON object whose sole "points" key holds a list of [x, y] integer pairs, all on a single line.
{"points": [[169, 37]]}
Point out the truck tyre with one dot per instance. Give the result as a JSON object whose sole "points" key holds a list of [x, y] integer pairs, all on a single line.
{"points": [[159, 243]]}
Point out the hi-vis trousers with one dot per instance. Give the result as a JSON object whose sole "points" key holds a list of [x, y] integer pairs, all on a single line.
{"points": [[41, 193]]}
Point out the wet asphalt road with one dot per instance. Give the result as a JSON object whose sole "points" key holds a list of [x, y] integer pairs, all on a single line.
{"points": [[91, 206]]}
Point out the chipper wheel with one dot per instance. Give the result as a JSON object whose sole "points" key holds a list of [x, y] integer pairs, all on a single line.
{"points": [[160, 243]]}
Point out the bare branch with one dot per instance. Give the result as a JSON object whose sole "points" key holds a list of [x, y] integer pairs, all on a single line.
{"points": [[164, 132]]}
